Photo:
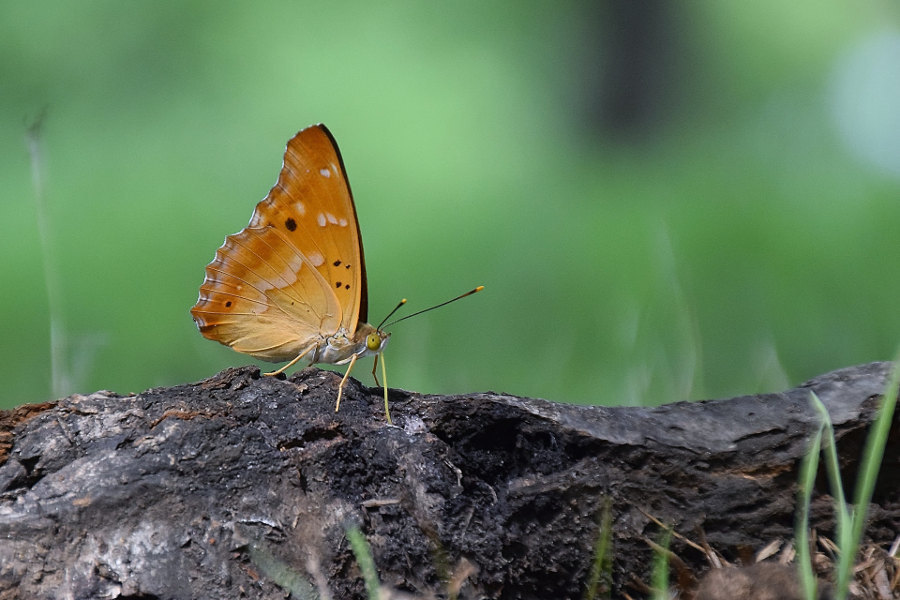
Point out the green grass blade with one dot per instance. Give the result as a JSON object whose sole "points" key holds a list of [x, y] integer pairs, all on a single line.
{"points": [[808, 469], [282, 574], [363, 555], [868, 474], [601, 568], [660, 575], [843, 516]]}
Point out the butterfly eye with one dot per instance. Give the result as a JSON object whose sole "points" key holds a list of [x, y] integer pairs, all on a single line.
{"points": [[373, 342]]}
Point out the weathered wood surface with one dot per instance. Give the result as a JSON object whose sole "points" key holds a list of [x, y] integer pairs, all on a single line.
{"points": [[241, 486]]}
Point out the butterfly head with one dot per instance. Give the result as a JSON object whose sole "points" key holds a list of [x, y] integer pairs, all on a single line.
{"points": [[374, 340]]}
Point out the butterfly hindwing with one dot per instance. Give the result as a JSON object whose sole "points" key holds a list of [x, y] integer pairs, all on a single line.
{"points": [[261, 298]]}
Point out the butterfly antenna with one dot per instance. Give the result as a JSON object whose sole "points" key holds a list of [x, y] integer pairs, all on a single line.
{"points": [[424, 310], [396, 308]]}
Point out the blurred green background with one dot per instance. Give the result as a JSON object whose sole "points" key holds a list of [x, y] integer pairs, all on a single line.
{"points": [[665, 201]]}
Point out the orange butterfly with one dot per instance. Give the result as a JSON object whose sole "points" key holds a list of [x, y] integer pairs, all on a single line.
{"points": [[292, 284]]}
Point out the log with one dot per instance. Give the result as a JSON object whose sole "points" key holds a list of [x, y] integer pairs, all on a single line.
{"points": [[245, 486]]}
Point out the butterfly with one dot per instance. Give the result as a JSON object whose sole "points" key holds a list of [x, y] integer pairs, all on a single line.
{"points": [[291, 286]]}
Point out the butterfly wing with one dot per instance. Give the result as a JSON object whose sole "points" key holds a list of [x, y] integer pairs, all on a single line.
{"points": [[296, 272]]}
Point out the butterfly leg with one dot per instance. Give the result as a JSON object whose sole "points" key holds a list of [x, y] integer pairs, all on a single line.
{"points": [[290, 364], [387, 411], [374, 374], [343, 381]]}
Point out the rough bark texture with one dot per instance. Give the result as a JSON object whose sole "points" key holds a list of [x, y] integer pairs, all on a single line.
{"points": [[241, 486]]}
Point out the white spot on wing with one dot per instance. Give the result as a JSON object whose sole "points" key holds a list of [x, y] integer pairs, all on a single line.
{"points": [[316, 259], [331, 218], [320, 219], [342, 222], [324, 172], [300, 207], [293, 269]]}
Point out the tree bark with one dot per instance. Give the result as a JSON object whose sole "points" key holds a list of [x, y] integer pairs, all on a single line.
{"points": [[245, 486]]}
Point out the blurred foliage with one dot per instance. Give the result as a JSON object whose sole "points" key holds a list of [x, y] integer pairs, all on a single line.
{"points": [[659, 203]]}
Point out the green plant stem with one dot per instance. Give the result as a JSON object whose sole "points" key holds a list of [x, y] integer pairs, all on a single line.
{"points": [[60, 381]]}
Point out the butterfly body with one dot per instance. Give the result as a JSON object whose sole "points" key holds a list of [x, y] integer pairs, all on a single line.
{"points": [[291, 286], [340, 348]]}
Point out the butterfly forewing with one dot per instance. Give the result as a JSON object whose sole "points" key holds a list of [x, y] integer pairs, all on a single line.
{"points": [[296, 272], [311, 205]]}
